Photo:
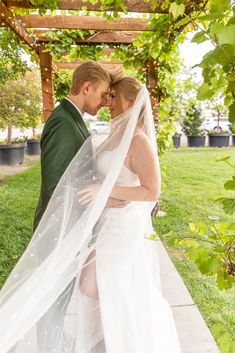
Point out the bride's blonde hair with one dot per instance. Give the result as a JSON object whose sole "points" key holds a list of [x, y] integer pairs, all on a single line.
{"points": [[128, 87]]}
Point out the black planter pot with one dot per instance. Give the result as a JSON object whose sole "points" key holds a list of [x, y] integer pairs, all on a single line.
{"points": [[196, 141], [233, 139], [12, 154], [33, 147], [219, 140], [176, 140]]}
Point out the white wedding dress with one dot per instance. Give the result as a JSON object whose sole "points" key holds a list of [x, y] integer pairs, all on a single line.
{"points": [[130, 316]]}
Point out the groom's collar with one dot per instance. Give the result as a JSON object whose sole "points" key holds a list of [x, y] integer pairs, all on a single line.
{"points": [[76, 114], [79, 111]]}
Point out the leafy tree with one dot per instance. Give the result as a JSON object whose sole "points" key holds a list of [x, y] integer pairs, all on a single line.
{"points": [[20, 103], [11, 63], [218, 109]]}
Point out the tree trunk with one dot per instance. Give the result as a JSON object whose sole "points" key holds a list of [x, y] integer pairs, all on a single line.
{"points": [[218, 117], [9, 134], [34, 132]]}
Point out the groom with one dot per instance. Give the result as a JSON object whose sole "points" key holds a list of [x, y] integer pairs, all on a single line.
{"points": [[65, 130]]}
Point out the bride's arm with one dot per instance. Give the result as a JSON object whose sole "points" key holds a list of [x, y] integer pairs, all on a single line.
{"points": [[146, 166]]}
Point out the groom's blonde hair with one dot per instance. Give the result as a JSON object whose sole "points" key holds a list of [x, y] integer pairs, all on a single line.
{"points": [[88, 71]]}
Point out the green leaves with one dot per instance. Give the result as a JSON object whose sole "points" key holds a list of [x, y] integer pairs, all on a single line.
{"points": [[224, 338], [219, 7], [228, 204], [51, 4], [62, 84], [153, 236], [205, 92], [230, 184], [223, 55], [207, 246], [64, 40], [176, 10], [210, 259], [182, 22], [200, 37], [223, 34], [218, 25]]}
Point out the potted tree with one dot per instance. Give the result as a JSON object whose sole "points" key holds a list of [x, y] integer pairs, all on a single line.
{"points": [[191, 126], [218, 136], [17, 109]]}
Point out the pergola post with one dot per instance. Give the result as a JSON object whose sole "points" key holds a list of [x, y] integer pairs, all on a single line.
{"points": [[151, 84], [47, 82]]}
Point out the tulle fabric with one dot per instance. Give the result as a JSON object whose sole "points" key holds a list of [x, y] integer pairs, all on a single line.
{"points": [[88, 281]]}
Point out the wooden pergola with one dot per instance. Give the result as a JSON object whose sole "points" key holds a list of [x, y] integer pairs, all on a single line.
{"points": [[119, 31]]}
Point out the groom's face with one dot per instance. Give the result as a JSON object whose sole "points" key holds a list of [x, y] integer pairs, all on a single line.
{"points": [[96, 97]]}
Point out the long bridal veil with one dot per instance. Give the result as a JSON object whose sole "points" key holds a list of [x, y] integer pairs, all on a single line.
{"points": [[47, 303]]}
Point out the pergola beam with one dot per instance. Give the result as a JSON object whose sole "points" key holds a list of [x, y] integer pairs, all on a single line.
{"points": [[97, 38], [85, 22], [11, 21], [132, 6], [73, 64]]}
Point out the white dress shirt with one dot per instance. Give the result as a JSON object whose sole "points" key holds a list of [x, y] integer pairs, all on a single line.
{"points": [[75, 106]]}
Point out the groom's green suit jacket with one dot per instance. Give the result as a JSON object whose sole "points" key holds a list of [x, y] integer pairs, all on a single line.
{"points": [[62, 136]]}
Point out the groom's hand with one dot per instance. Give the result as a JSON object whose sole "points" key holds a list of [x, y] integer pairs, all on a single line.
{"points": [[88, 194], [115, 203]]}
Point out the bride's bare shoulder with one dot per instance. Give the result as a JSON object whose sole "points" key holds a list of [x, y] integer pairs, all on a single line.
{"points": [[139, 141], [139, 137]]}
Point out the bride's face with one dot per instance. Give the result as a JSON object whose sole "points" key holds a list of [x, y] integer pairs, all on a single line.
{"points": [[117, 104]]}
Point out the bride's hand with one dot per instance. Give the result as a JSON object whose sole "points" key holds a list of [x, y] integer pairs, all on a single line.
{"points": [[88, 194]]}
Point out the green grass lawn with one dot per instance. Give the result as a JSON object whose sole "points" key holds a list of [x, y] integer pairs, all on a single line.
{"points": [[193, 180], [18, 199]]}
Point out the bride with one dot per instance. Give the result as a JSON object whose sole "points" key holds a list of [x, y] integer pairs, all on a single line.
{"points": [[89, 281]]}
